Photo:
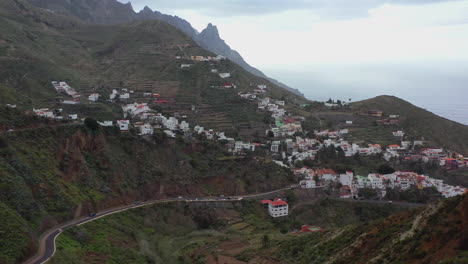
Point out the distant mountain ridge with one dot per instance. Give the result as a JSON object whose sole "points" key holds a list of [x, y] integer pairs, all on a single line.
{"points": [[114, 12]]}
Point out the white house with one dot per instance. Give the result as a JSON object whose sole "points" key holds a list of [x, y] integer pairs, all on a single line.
{"points": [[73, 117], [124, 96], [44, 112], [398, 133], [275, 146], [307, 184], [347, 178], [282, 103], [93, 97], [375, 181], [214, 70], [106, 123], [225, 75], [184, 126], [184, 66], [146, 129], [171, 123], [277, 207], [349, 122], [123, 125], [406, 144]]}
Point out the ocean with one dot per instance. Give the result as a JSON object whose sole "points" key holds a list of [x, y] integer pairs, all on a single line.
{"points": [[439, 88]]}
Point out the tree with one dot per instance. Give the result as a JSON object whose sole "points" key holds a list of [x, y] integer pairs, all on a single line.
{"points": [[91, 123], [368, 193], [330, 101], [271, 134], [385, 169], [159, 136], [291, 197]]}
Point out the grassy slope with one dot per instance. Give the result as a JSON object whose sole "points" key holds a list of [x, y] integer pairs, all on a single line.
{"points": [[419, 122], [177, 233]]}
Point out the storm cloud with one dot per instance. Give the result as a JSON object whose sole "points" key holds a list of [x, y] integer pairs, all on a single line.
{"points": [[334, 9]]}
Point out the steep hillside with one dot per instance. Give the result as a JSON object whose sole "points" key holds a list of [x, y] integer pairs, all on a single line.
{"points": [[436, 234], [243, 233], [38, 47], [114, 12], [52, 174], [417, 121]]}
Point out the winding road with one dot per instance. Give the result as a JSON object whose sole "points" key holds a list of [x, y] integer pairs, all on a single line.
{"points": [[47, 244]]}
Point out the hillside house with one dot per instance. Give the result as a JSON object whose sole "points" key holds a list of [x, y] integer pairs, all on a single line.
{"points": [[262, 86], [93, 97], [393, 116], [240, 146], [277, 207], [144, 129], [185, 66], [347, 178], [73, 117], [376, 113], [275, 145], [124, 96], [393, 147], [348, 123], [281, 103], [171, 123], [326, 174], [376, 181], [398, 134], [363, 182], [224, 75], [406, 144], [135, 109], [44, 112], [106, 123], [214, 70], [123, 125], [307, 184], [184, 126]]}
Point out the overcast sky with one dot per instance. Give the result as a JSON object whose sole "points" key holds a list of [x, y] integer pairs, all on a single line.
{"points": [[414, 49], [295, 33]]}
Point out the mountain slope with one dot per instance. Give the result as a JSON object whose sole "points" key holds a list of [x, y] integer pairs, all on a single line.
{"points": [[416, 121], [436, 234], [113, 12], [38, 46]]}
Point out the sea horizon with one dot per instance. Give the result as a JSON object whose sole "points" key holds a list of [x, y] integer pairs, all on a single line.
{"points": [[438, 88]]}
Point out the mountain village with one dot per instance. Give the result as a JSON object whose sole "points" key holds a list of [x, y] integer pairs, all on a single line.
{"points": [[287, 145]]}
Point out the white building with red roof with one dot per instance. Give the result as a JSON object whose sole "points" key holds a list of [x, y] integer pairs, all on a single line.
{"points": [[277, 207]]}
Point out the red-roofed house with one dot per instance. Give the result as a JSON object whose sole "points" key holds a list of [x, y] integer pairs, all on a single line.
{"points": [[310, 229], [277, 207], [326, 174]]}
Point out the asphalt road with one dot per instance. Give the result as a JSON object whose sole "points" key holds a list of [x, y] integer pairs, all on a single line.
{"points": [[47, 245]]}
